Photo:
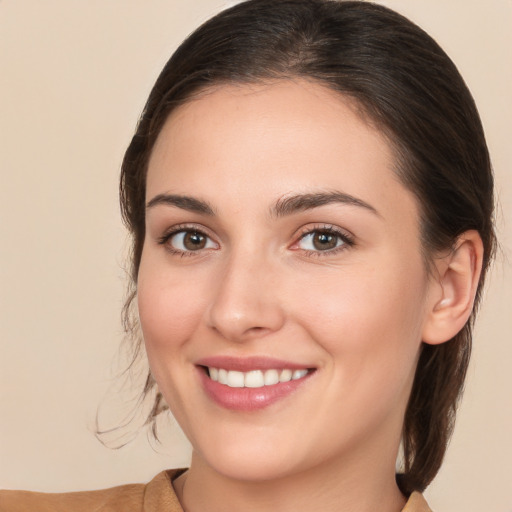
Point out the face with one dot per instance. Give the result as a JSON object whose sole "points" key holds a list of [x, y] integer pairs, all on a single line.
{"points": [[282, 288]]}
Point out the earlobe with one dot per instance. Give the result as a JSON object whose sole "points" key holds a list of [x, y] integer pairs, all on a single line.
{"points": [[453, 289]]}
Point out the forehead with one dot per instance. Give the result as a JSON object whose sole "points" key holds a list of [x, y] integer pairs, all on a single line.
{"points": [[292, 107], [276, 138]]}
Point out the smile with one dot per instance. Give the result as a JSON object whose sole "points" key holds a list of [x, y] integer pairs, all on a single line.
{"points": [[254, 378], [252, 383]]}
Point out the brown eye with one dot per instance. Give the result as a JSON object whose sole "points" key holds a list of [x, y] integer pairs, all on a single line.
{"points": [[194, 241], [324, 241], [190, 241]]}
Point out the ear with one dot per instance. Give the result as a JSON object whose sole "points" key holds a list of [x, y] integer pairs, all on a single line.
{"points": [[453, 288]]}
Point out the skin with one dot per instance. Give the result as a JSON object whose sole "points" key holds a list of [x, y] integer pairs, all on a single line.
{"points": [[356, 313]]}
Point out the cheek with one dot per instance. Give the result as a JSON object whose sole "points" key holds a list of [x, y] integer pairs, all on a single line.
{"points": [[369, 320], [170, 309]]}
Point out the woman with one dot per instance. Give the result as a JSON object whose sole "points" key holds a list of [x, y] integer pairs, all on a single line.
{"points": [[310, 197]]}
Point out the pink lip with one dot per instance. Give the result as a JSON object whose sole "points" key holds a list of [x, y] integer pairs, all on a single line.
{"points": [[248, 399]]}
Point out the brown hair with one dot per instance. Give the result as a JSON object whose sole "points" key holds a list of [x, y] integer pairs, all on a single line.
{"points": [[404, 82]]}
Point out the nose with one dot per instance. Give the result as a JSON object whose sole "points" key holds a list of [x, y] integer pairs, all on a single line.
{"points": [[245, 304]]}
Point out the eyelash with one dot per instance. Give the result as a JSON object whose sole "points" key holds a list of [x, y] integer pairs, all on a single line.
{"points": [[346, 239], [185, 228]]}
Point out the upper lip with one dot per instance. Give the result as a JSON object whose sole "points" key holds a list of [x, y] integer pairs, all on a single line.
{"points": [[245, 364]]}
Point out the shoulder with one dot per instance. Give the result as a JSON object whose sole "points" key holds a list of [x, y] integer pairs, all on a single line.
{"points": [[152, 497], [416, 503], [126, 497]]}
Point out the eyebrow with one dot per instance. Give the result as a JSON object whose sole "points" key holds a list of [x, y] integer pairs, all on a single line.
{"points": [[283, 207], [301, 202], [188, 203]]}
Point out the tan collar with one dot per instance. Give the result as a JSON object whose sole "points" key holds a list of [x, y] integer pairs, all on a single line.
{"points": [[416, 503], [159, 493]]}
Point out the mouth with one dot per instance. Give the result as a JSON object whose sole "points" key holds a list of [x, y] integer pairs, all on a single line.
{"points": [[255, 378], [251, 384]]}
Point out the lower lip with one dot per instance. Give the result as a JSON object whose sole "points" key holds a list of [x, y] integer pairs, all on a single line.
{"points": [[249, 399]]}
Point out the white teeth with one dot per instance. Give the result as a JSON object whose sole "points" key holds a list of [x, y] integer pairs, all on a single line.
{"points": [[254, 378], [271, 377], [235, 379], [286, 376], [223, 376], [298, 374], [214, 374]]}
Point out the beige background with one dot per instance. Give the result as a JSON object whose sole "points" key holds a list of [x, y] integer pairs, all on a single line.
{"points": [[73, 79]]}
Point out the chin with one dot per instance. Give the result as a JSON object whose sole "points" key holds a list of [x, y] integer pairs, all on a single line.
{"points": [[252, 462]]}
